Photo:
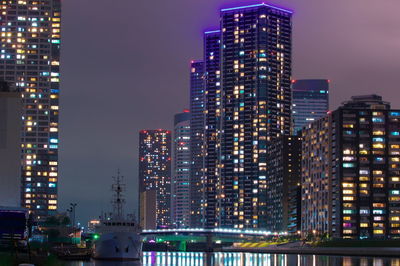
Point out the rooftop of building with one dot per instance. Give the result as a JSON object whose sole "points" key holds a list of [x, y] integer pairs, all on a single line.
{"points": [[255, 6], [212, 31], [153, 131], [185, 116], [371, 101]]}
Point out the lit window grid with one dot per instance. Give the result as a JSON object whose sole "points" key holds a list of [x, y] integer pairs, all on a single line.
{"points": [[155, 171], [238, 101], [33, 68], [181, 178], [367, 166]]}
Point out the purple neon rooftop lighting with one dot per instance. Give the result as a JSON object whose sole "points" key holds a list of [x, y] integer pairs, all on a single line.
{"points": [[257, 5], [212, 31]]}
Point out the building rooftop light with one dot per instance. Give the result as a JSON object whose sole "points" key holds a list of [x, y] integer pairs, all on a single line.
{"points": [[257, 5]]}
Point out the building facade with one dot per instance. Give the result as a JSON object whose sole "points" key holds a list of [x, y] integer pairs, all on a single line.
{"points": [[360, 176], [317, 177], [197, 186], [180, 206], [155, 174], [212, 120], [148, 203], [255, 107], [310, 101], [10, 146], [30, 59], [284, 177]]}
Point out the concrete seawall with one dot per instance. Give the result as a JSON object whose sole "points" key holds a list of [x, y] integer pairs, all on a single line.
{"points": [[364, 252]]}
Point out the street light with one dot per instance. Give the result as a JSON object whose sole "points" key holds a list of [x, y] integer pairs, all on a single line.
{"points": [[69, 211]]}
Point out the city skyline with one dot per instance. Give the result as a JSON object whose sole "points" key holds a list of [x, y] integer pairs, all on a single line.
{"points": [[118, 151]]}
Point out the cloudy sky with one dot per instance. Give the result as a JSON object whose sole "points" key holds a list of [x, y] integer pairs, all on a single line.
{"points": [[125, 67]]}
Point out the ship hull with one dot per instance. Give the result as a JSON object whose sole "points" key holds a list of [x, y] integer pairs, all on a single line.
{"points": [[118, 246]]}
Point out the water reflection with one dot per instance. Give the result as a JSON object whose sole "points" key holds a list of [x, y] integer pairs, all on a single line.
{"points": [[243, 259]]}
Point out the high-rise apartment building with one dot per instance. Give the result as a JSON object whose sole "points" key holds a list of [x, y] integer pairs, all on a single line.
{"points": [[10, 146], [316, 177], [284, 177], [350, 171], [310, 101], [255, 107], [30, 59], [212, 120], [180, 207], [197, 185], [155, 174]]}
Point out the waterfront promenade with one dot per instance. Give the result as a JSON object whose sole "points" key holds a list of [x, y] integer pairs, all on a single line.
{"points": [[297, 248]]}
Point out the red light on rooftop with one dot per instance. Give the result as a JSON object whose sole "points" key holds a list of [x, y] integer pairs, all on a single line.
{"points": [[294, 81], [186, 111], [143, 131], [329, 81]]}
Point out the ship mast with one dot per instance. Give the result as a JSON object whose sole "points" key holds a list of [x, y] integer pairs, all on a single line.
{"points": [[118, 199]]}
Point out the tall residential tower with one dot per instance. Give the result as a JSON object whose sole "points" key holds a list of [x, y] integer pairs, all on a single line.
{"points": [[197, 144], [255, 107], [212, 120], [30, 60], [180, 206], [155, 177]]}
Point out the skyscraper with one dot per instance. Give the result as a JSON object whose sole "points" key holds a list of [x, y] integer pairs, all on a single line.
{"points": [[310, 101], [212, 120], [30, 59], [196, 143], [351, 169], [155, 175], [255, 107], [181, 174], [10, 146]]}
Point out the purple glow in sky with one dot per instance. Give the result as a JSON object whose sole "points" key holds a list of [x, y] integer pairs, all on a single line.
{"points": [[125, 67]]}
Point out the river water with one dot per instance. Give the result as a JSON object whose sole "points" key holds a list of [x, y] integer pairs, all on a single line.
{"points": [[243, 259]]}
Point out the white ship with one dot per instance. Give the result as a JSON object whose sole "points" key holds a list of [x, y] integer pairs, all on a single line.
{"points": [[119, 235]]}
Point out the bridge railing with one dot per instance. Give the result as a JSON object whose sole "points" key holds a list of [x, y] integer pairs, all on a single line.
{"points": [[216, 230]]}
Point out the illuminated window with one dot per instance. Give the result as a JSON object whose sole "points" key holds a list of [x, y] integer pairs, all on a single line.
{"points": [[378, 146], [378, 133], [378, 120]]}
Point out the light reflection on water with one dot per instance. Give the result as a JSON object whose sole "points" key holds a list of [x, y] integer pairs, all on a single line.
{"points": [[243, 259]]}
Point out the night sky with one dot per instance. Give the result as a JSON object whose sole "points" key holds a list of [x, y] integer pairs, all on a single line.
{"points": [[125, 67]]}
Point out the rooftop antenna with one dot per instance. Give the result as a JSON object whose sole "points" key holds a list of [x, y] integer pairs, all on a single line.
{"points": [[118, 199]]}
